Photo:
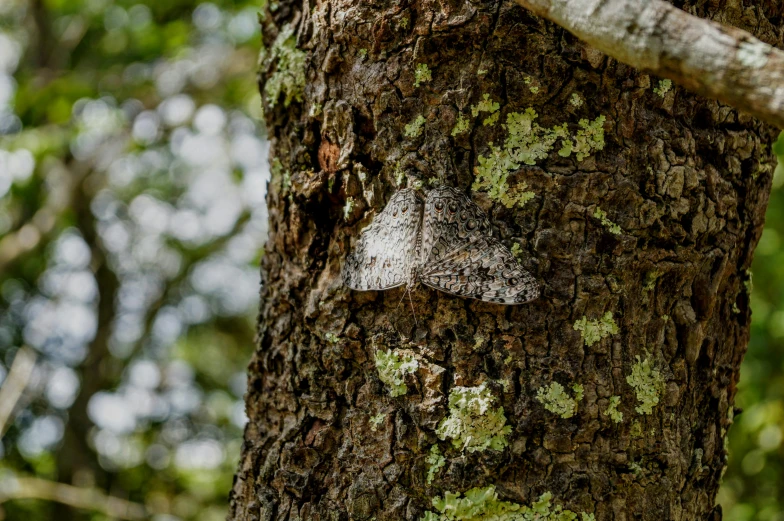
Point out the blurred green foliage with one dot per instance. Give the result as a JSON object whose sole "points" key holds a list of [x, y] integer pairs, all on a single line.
{"points": [[132, 180], [753, 487]]}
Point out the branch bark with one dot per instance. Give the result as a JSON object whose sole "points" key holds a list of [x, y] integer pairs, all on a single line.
{"points": [[708, 58]]}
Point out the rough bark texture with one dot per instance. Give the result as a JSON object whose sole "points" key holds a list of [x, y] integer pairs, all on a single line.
{"points": [[685, 178]]}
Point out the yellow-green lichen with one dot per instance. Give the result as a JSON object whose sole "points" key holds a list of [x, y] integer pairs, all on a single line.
{"points": [[636, 430], [491, 177], [588, 139], [460, 126], [289, 75], [362, 53], [434, 463], [663, 87], [517, 250], [533, 88], [612, 409], [576, 100], [422, 74], [414, 129], [392, 370], [482, 504], [648, 384], [595, 330], [332, 338], [485, 105], [607, 223], [377, 420], [481, 72], [555, 399], [348, 207], [473, 424], [491, 119]]}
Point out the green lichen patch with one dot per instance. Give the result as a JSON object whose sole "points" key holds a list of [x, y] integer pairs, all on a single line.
{"points": [[526, 143], [392, 370], [414, 129], [578, 392], [332, 338], [461, 126], [482, 504], [491, 119], [434, 463], [636, 430], [422, 74], [289, 76], [555, 399], [663, 87], [607, 223], [517, 250], [473, 424], [377, 420], [648, 384], [533, 88], [362, 53], [612, 409], [595, 330], [650, 280], [576, 100], [485, 105]]}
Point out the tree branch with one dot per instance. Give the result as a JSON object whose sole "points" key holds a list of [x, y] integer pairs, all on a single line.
{"points": [[716, 61], [15, 384], [76, 497]]}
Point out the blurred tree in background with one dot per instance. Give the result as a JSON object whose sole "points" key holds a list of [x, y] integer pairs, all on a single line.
{"points": [[132, 184], [132, 217]]}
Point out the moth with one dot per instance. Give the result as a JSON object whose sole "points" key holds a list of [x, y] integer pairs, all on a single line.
{"points": [[444, 242]]}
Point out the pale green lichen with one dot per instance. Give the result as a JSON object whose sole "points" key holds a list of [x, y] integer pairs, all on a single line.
{"points": [[348, 208], [481, 72], [434, 463], [404, 23], [492, 119], [663, 87], [473, 424], [377, 420], [283, 176], [289, 75], [392, 370], [636, 430], [607, 223], [362, 53], [665, 317], [576, 100], [482, 504], [526, 143], [422, 74], [735, 308], [461, 125], [648, 384], [517, 251], [414, 129], [315, 110], [533, 88], [485, 105], [595, 330], [555, 399], [332, 338], [508, 360], [612, 409]]}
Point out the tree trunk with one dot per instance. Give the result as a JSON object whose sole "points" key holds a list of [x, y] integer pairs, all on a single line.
{"points": [[641, 249]]}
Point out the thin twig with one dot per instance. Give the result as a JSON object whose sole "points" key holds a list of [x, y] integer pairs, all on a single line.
{"points": [[77, 497], [711, 59], [15, 384]]}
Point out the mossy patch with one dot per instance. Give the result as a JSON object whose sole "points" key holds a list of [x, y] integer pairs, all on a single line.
{"points": [[648, 384], [392, 370], [595, 330], [473, 424], [482, 504]]}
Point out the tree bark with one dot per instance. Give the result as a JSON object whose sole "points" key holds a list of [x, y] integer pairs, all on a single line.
{"points": [[685, 179]]}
